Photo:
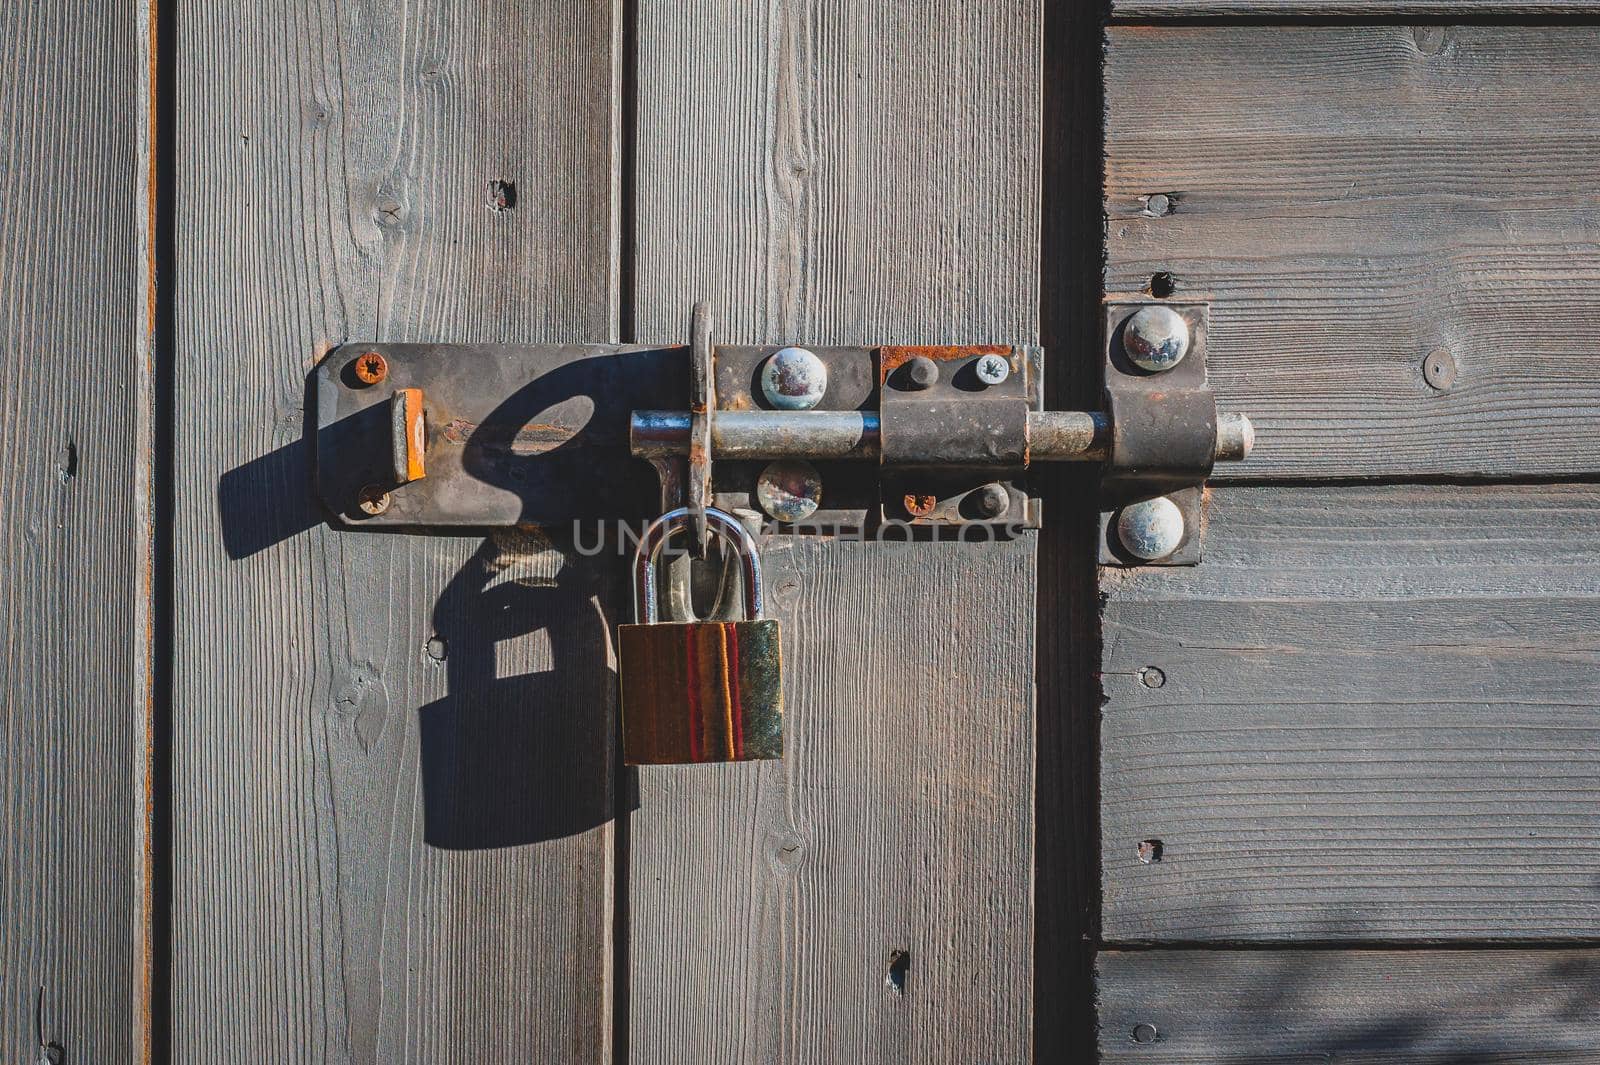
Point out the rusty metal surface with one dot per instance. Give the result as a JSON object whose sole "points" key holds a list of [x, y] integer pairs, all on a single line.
{"points": [[702, 408], [516, 435], [946, 435]]}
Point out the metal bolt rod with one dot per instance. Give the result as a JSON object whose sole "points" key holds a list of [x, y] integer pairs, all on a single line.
{"points": [[1054, 436], [1068, 435], [768, 435]]}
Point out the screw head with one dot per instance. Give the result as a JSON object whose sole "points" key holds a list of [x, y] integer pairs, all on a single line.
{"points": [[991, 501], [1156, 338], [373, 500], [370, 367], [789, 491], [794, 379], [992, 369], [921, 372], [1151, 528]]}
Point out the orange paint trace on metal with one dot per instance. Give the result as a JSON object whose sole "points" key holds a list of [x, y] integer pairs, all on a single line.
{"points": [[416, 435], [919, 506]]}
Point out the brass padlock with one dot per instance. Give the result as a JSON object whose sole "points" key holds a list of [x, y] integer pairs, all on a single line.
{"points": [[699, 691]]}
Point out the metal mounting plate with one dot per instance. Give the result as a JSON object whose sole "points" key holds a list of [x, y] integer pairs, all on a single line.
{"points": [[516, 435], [538, 435]]}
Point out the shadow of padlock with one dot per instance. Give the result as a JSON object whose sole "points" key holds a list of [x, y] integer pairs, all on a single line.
{"points": [[699, 691]]}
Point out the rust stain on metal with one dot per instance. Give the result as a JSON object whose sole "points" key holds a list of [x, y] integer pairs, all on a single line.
{"points": [[371, 367], [535, 438], [891, 358], [919, 506]]}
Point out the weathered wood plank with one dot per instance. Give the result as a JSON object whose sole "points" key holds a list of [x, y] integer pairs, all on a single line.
{"points": [[839, 172], [1355, 198], [1374, 718], [1168, 1007], [393, 754], [1460, 9], [72, 321]]}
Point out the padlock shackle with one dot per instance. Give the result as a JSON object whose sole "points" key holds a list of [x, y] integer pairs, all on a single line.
{"points": [[727, 528]]}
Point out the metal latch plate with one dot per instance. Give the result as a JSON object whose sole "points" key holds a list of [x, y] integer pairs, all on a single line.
{"points": [[516, 435]]}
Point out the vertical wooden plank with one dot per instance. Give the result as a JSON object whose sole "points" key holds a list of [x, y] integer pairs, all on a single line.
{"points": [[392, 752], [71, 311], [843, 172]]}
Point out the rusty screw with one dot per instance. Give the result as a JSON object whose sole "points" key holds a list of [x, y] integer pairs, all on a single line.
{"points": [[919, 506], [373, 500], [371, 367]]}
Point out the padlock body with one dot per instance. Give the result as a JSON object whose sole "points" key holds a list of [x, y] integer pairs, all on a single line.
{"points": [[700, 691]]}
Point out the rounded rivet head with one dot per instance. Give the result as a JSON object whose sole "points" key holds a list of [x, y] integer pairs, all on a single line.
{"points": [[992, 369], [1151, 528], [371, 367], [794, 379], [921, 372], [789, 491], [1145, 1033], [1156, 338], [991, 501], [372, 500]]}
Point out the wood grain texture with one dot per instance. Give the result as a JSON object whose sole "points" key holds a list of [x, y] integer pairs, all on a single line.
{"points": [[1354, 198], [1461, 9], [1418, 1007], [1374, 719], [387, 847], [71, 318], [848, 172]]}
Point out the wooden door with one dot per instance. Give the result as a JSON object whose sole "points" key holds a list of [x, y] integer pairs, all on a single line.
{"points": [[1366, 723], [399, 828], [281, 791]]}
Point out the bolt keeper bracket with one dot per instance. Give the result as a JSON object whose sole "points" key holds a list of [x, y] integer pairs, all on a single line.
{"points": [[1164, 424]]}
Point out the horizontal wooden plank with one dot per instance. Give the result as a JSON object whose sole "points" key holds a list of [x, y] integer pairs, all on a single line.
{"points": [[1460, 9], [1526, 1007], [1355, 198], [1369, 714]]}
